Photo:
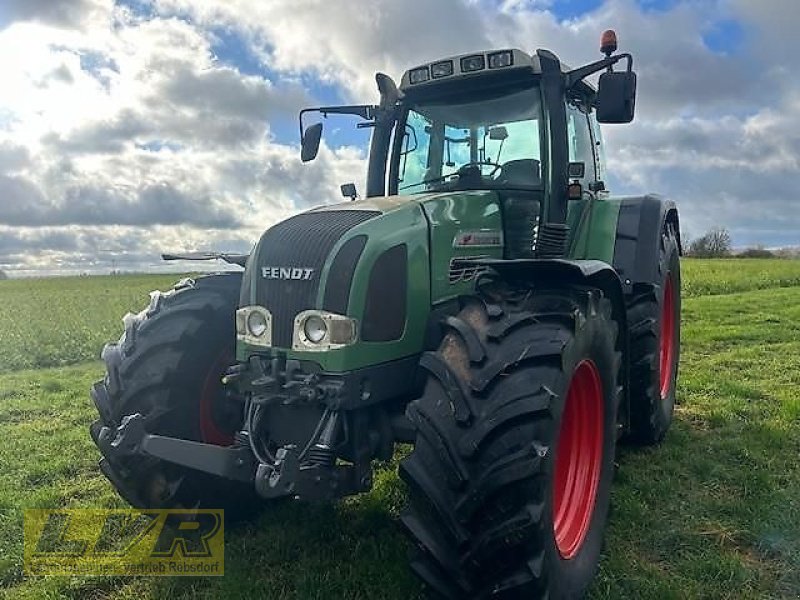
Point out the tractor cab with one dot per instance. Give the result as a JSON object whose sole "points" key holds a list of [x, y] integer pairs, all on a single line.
{"points": [[522, 125]]}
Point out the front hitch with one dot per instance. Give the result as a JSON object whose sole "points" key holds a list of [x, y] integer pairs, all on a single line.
{"points": [[130, 438], [286, 477], [317, 483]]}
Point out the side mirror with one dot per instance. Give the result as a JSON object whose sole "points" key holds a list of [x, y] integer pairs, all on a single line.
{"points": [[616, 97], [309, 145], [349, 190]]}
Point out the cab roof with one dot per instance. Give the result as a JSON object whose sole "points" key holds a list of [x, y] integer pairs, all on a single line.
{"points": [[511, 61]]}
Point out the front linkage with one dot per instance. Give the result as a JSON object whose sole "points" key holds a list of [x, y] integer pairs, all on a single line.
{"points": [[311, 472]]}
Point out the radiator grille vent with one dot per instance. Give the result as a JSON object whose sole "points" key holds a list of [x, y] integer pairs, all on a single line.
{"points": [[461, 271], [301, 242]]}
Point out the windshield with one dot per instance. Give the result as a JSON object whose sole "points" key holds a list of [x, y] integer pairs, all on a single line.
{"points": [[489, 142]]}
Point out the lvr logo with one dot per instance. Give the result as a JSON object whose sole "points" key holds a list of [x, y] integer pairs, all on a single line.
{"points": [[297, 273]]}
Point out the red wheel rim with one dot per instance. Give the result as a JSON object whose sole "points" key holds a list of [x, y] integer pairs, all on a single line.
{"points": [[579, 458], [211, 394], [667, 344]]}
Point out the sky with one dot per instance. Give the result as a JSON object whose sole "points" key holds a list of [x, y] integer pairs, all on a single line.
{"points": [[132, 128]]}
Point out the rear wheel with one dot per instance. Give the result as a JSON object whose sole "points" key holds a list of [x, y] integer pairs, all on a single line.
{"points": [[654, 316], [579, 458], [510, 476], [168, 366]]}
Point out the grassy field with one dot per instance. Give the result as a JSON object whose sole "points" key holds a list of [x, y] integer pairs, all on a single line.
{"points": [[712, 513]]}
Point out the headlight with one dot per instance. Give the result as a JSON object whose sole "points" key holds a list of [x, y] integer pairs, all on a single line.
{"points": [[257, 324], [318, 330], [472, 63], [498, 60], [442, 69], [254, 326], [315, 329], [419, 75]]}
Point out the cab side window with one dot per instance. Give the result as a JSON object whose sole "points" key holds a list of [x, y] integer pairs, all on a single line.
{"points": [[415, 154], [579, 140]]}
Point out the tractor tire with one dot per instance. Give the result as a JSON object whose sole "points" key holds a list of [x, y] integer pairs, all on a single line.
{"points": [[168, 366], [510, 477], [654, 320]]}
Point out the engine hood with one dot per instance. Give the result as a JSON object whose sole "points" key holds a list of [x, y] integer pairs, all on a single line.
{"points": [[381, 204], [382, 261]]}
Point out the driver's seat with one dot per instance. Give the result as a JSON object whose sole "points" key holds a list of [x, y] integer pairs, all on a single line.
{"points": [[521, 172]]}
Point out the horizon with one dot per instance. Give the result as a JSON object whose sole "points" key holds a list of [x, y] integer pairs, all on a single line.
{"points": [[215, 266]]}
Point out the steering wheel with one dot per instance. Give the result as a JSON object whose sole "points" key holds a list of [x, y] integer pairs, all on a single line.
{"points": [[462, 170]]}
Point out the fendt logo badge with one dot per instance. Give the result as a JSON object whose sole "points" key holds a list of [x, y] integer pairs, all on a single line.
{"points": [[287, 273]]}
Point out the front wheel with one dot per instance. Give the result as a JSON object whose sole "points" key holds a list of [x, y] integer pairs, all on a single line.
{"points": [[167, 366], [510, 477]]}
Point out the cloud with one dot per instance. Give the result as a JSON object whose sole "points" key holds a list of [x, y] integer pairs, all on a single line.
{"points": [[678, 72], [344, 46], [58, 13], [153, 204], [149, 131], [122, 132], [13, 157], [224, 92], [192, 189]]}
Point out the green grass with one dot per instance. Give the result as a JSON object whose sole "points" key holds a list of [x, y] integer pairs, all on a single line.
{"points": [[715, 276], [712, 513], [66, 320]]}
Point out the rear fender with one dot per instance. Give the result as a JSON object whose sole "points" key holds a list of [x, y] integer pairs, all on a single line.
{"points": [[636, 250]]}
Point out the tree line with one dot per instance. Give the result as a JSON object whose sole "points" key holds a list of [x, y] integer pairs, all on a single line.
{"points": [[716, 243]]}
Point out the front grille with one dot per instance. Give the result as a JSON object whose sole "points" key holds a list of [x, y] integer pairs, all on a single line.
{"points": [[301, 242]]}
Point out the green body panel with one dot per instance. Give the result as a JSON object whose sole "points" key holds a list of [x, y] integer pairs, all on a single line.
{"points": [[593, 228], [453, 214], [448, 214]]}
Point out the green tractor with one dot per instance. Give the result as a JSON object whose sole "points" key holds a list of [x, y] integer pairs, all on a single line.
{"points": [[488, 302]]}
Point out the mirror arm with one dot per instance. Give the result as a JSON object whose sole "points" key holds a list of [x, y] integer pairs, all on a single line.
{"points": [[579, 74], [365, 111]]}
